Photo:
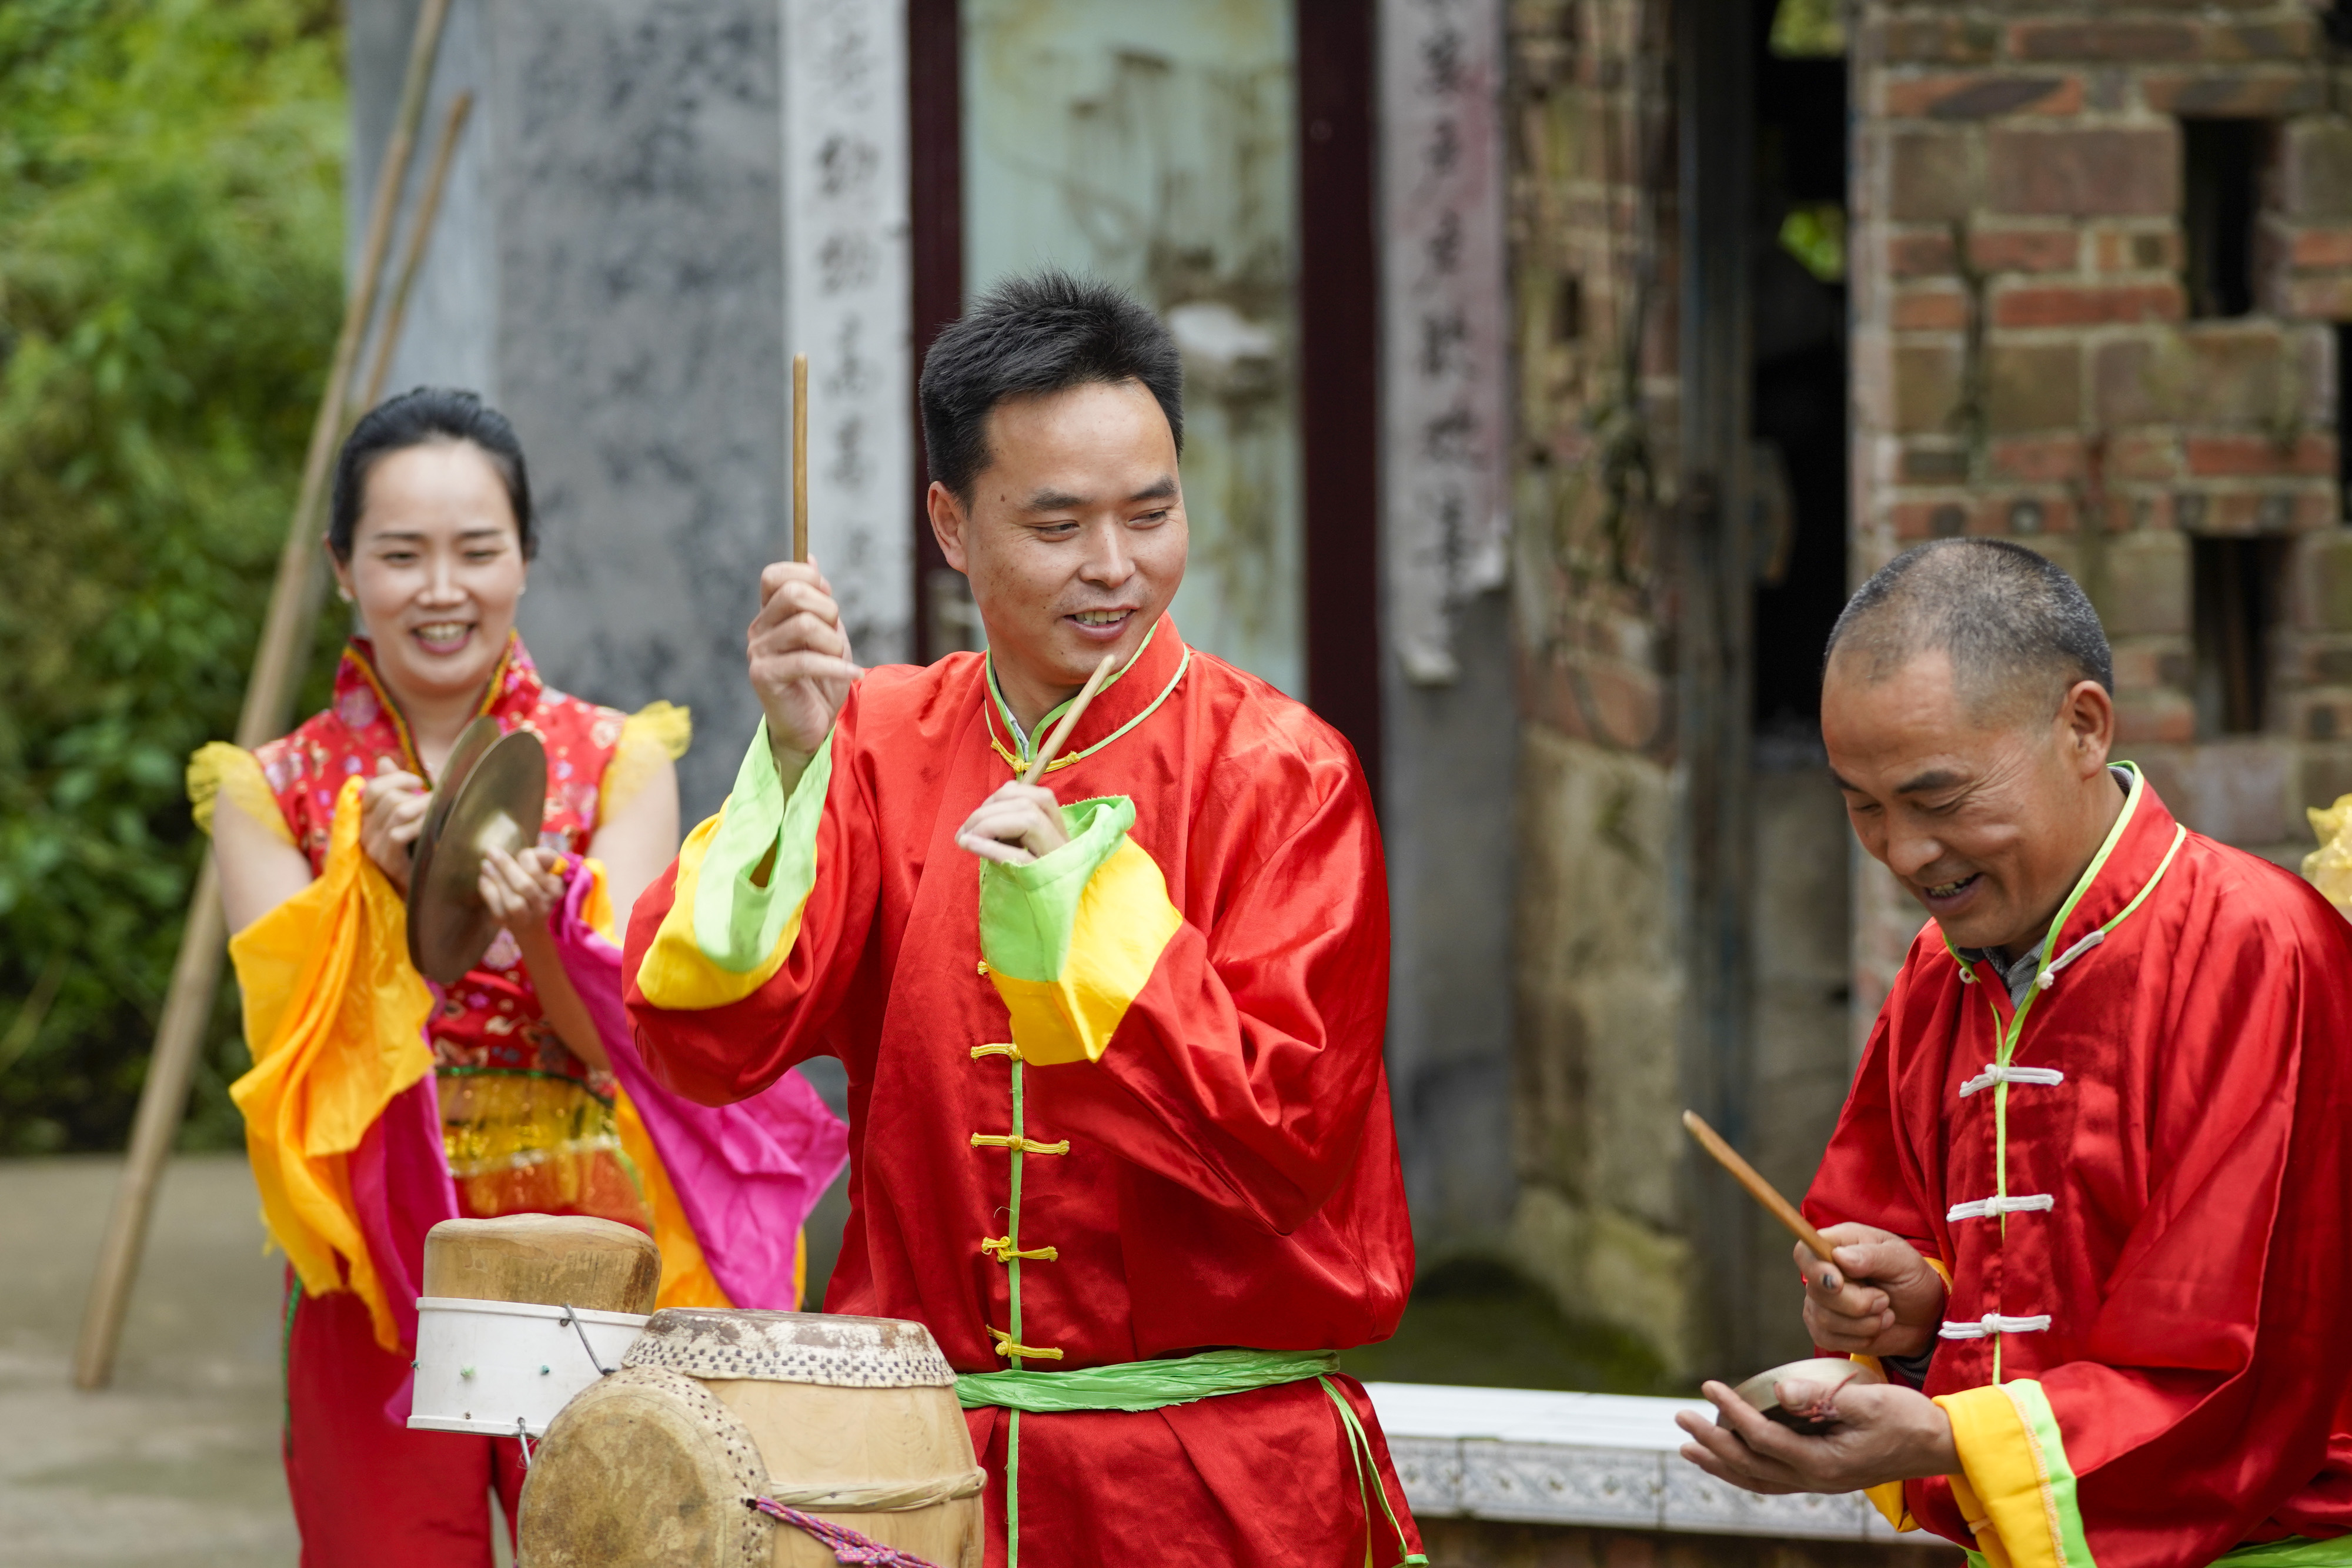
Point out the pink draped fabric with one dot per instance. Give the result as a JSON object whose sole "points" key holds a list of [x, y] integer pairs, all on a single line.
{"points": [[747, 1173], [401, 1189]]}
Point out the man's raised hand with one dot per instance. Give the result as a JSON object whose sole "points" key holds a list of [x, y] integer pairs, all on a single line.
{"points": [[799, 660], [1875, 1297]]}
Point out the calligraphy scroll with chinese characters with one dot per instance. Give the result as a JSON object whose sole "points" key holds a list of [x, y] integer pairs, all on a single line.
{"points": [[846, 302], [1446, 523]]}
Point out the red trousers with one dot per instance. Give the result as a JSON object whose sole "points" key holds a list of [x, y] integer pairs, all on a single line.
{"points": [[368, 1492]]}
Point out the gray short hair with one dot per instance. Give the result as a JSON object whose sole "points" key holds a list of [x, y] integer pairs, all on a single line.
{"points": [[2011, 622]]}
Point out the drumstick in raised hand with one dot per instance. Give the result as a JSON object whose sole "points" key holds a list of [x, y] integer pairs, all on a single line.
{"points": [[800, 457], [1069, 720], [1760, 1189]]}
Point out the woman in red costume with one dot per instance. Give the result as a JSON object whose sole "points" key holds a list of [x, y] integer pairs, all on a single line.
{"points": [[519, 1068]]}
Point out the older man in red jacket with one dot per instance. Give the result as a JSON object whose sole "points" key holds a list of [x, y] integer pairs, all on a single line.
{"points": [[2090, 1191]]}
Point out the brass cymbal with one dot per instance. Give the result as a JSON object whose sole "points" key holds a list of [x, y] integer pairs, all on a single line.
{"points": [[1829, 1374], [472, 741], [499, 804]]}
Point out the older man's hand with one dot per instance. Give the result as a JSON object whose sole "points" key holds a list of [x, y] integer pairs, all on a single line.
{"points": [[1876, 1296], [1884, 1432]]}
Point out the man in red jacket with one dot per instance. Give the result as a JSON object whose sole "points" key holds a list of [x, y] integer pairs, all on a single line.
{"points": [[2089, 1193], [1120, 1128]]}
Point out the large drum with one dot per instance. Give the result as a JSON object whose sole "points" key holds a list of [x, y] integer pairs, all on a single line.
{"points": [[853, 1421]]}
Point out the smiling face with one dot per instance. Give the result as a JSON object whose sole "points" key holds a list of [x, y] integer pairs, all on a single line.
{"points": [[437, 565], [1988, 812], [1075, 538]]}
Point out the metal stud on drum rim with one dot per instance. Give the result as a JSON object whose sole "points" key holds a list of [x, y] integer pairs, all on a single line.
{"points": [[499, 804]]}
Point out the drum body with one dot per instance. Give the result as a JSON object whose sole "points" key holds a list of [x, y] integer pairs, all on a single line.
{"points": [[852, 1420]]}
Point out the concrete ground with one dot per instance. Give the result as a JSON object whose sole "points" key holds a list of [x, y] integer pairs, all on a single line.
{"points": [[178, 1462]]}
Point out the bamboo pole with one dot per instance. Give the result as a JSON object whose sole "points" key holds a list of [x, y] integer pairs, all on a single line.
{"points": [[420, 237], [285, 636], [800, 457]]}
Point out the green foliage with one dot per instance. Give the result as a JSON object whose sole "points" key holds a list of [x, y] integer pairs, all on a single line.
{"points": [[170, 224], [1808, 29], [1816, 235]]}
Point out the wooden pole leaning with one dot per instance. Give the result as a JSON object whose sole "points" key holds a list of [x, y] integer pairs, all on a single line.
{"points": [[1762, 1191], [420, 239], [800, 457], [269, 696]]}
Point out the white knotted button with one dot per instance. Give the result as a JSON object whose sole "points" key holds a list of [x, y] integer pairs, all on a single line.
{"points": [[1996, 1073], [1993, 1323], [1992, 1207]]}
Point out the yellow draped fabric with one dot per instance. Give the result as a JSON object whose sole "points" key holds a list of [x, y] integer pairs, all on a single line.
{"points": [[335, 1017], [686, 1277], [2329, 867]]}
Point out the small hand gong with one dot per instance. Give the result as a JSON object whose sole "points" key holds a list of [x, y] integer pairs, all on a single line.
{"points": [[472, 741], [496, 803], [1829, 1374]]}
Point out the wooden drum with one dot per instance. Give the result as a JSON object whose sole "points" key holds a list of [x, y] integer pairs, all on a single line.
{"points": [[852, 1420]]}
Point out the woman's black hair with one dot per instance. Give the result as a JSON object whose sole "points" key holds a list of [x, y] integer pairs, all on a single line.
{"points": [[419, 418]]}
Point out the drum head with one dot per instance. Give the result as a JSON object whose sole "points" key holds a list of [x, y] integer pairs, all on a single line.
{"points": [[832, 1349], [499, 803], [646, 1468]]}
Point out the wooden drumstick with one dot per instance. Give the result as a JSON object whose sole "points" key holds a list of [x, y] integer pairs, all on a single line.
{"points": [[1760, 1189], [800, 457], [1069, 720]]}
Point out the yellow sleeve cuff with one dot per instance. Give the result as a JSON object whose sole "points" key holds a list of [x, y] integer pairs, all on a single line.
{"points": [[219, 768], [2016, 1488], [656, 733]]}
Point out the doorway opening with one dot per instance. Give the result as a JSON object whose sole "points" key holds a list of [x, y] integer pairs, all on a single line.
{"points": [[1799, 312]]}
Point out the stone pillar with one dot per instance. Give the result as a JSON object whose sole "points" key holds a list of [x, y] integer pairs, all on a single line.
{"points": [[616, 269], [1449, 719]]}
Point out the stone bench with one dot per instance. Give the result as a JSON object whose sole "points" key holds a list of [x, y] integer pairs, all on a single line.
{"points": [[1532, 1457]]}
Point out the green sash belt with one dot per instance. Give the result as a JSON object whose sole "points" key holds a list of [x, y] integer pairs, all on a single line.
{"points": [[1144, 1384], [2293, 1552], [1154, 1386]]}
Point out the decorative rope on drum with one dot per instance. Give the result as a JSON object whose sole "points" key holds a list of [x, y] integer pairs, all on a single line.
{"points": [[845, 1544]]}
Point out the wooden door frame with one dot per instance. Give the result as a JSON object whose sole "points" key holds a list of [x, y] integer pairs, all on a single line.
{"points": [[1338, 322]]}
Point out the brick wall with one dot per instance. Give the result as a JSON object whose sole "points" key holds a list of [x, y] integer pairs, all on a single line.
{"points": [[2028, 364]]}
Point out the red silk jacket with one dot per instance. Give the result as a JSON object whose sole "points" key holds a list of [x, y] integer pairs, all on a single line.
{"points": [[1206, 1154], [2137, 1184]]}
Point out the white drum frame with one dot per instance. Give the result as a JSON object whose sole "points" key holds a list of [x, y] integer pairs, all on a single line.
{"points": [[503, 1367]]}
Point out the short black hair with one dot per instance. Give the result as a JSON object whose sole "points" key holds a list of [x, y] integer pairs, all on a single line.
{"points": [[2010, 620], [1028, 335], [418, 418]]}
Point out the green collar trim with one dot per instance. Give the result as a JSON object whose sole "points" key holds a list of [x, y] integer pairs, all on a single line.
{"points": [[1021, 758], [2081, 886], [1004, 709]]}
